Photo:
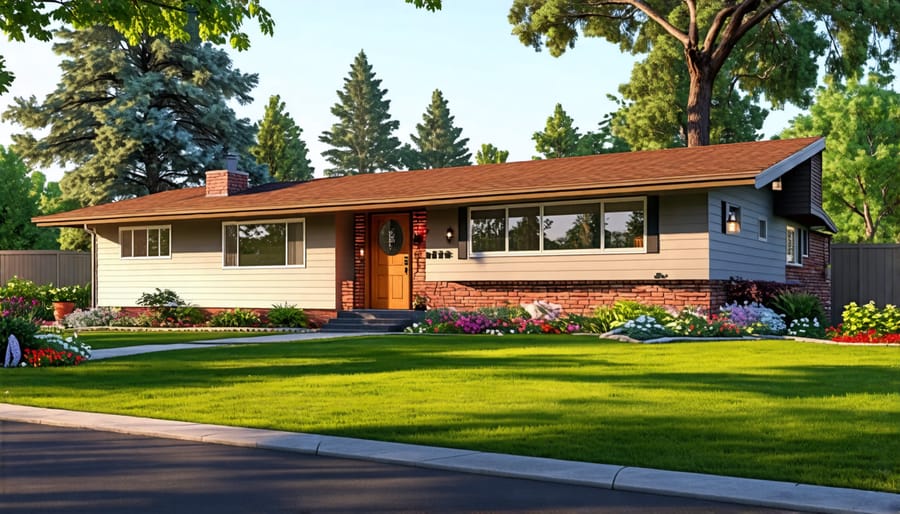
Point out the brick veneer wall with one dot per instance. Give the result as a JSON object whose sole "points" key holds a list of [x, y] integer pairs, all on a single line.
{"points": [[578, 297], [360, 227], [815, 275]]}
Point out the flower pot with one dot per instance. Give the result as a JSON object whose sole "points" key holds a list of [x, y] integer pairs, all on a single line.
{"points": [[62, 309]]}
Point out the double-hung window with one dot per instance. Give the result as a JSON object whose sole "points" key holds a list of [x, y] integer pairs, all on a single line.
{"points": [[576, 227], [264, 244], [796, 245], [145, 242]]}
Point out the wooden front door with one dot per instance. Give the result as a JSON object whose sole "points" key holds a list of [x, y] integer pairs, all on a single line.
{"points": [[389, 249]]}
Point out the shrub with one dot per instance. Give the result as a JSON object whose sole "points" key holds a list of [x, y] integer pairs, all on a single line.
{"points": [[80, 295], [20, 288], [627, 310], [169, 310], [235, 318], [799, 305], [741, 291], [754, 318], [99, 317], [23, 328], [806, 327], [287, 316], [858, 319]]}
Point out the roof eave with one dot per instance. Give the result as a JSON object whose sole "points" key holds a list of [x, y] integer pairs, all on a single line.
{"points": [[403, 203], [778, 169]]}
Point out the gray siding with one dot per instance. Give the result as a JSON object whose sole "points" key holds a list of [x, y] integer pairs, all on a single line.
{"points": [[744, 255]]}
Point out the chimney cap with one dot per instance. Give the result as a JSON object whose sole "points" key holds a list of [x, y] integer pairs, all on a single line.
{"points": [[231, 162]]}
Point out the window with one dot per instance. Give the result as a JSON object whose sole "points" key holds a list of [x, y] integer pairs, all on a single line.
{"points": [[763, 229], [145, 242], [608, 225], [804, 242], [264, 244], [792, 245]]}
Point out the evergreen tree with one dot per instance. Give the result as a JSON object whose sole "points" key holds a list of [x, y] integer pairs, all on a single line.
{"points": [[490, 154], [279, 147], [361, 140], [437, 140], [134, 119], [559, 137]]}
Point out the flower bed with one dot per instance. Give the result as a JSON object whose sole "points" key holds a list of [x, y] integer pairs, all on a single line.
{"points": [[497, 321], [867, 324]]}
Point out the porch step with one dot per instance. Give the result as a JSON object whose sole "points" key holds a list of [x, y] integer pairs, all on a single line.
{"points": [[372, 320]]}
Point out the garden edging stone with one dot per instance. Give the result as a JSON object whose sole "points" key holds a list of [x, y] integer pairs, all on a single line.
{"points": [[692, 485]]}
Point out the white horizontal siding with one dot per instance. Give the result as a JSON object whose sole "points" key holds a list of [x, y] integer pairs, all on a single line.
{"points": [[684, 252], [196, 273]]}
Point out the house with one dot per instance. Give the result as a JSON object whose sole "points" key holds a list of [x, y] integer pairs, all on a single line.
{"points": [[666, 227]]}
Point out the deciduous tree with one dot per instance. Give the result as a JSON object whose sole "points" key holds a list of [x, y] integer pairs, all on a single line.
{"points": [[20, 199], [861, 190], [362, 140], [773, 46], [279, 147], [216, 21]]}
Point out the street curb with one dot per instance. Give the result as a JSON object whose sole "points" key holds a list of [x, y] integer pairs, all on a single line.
{"points": [[763, 493]]}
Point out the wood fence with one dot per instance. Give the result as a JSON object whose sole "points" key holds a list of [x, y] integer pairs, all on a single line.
{"points": [[46, 267], [862, 273]]}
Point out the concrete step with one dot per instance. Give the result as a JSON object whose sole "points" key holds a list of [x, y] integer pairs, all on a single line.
{"points": [[372, 320]]}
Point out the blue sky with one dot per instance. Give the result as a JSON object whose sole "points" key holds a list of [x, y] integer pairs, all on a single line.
{"points": [[499, 90]]}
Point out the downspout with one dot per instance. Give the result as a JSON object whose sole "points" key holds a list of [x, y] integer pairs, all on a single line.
{"points": [[93, 233]]}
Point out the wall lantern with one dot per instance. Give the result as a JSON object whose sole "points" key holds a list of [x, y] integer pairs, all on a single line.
{"points": [[449, 235], [420, 234], [732, 224]]}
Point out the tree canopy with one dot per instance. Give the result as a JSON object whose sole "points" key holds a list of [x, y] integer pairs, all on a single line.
{"points": [[438, 142], [133, 119], [861, 190], [771, 47], [362, 140], [278, 145], [216, 21], [490, 154], [20, 199], [559, 137]]}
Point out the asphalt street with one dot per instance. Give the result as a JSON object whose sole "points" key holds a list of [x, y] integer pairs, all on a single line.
{"points": [[50, 469]]}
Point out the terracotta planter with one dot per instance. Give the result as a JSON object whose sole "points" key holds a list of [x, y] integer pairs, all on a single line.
{"points": [[62, 309]]}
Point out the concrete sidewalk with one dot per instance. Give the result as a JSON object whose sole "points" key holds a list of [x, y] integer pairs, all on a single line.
{"points": [[290, 337], [692, 485]]}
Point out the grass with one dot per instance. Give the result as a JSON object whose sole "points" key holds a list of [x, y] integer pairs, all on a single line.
{"points": [[119, 338], [779, 410]]}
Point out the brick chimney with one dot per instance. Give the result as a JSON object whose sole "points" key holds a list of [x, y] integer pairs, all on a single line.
{"points": [[228, 181]]}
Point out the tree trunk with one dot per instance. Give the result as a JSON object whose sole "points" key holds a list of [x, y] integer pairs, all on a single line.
{"points": [[699, 98]]}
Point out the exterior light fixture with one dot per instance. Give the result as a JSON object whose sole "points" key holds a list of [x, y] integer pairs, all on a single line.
{"points": [[732, 224], [449, 234]]}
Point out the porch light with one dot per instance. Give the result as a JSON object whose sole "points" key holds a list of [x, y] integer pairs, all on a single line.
{"points": [[732, 225], [449, 234]]}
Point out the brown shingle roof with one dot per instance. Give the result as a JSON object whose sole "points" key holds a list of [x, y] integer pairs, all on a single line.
{"points": [[679, 168]]}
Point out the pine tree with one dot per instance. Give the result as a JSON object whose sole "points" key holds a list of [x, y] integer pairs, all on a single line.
{"points": [[559, 138], [279, 147], [438, 141], [134, 119], [361, 140], [490, 154]]}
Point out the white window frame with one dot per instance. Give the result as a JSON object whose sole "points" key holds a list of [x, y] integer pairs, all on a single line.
{"points": [[762, 227], [264, 222], [541, 251], [804, 242], [148, 228], [797, 258]]}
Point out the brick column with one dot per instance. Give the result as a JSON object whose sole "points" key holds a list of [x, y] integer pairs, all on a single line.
{"points": [[360, 227], [419, 226]]}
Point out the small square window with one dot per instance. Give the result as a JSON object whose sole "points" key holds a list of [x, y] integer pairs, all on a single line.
{"points": [[763, 230]]}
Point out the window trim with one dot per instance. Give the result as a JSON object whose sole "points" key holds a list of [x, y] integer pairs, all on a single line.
{"points": [[762, 229], [541, 251], [798, 259], [131, 229], [804, 242], [284, 221]]}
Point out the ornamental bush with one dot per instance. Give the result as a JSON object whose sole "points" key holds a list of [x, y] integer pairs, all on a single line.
{"points": [[862, 319], [754, 318], [235, 318], [800, 305], [99, 317], [287, 316]]}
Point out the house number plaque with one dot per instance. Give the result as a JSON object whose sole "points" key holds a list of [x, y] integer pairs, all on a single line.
{"points": [[390, 237]]}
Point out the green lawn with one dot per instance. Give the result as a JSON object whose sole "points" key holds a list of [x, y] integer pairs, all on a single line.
{"points": [[118, 338], [779, 410]]}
